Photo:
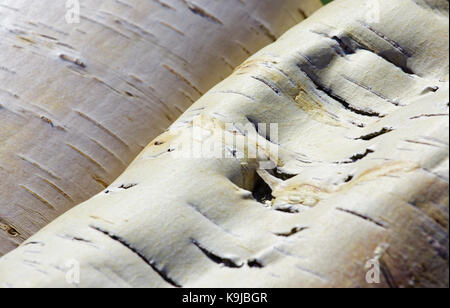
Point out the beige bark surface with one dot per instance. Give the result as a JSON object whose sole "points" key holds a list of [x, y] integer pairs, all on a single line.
{"points": [[360, 171], [78, 102]]}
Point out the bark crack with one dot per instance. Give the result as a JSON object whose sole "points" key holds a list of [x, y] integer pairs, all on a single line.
{"points": [[379, 224], [228, 262], [374, 135], [329, 92], [161, 272]]}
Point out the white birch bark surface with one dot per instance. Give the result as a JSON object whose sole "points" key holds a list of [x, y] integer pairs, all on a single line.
{"points": [[360, 171], [78, 102]]}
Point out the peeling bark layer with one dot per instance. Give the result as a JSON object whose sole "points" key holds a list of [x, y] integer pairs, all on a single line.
{"points": [[78, 102], [360, 171]]}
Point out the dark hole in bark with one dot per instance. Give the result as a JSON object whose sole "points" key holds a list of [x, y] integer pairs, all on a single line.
{"points": [[255, 263], [349, 179], [282, 176], [262, 191]]}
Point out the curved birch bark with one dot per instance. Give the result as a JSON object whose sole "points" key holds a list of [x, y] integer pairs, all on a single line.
{"points": [[360, 171], [78, 102]]}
